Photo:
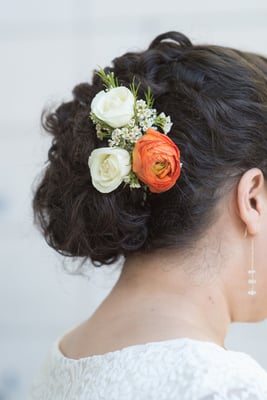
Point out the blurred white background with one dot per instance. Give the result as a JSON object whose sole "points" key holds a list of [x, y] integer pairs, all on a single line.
{"points": [[46, 48]]}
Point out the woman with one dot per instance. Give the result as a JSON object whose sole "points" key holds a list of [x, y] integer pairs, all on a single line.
{"points": [[169, 170]]}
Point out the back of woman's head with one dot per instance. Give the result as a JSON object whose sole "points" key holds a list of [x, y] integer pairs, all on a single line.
{"points": [[217, 100]]}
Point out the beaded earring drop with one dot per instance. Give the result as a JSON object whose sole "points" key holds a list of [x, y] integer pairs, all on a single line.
{"points": [[251, 271]]}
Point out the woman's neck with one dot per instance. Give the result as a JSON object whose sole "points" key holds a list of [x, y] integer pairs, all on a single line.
{"points": [[165, 302]]}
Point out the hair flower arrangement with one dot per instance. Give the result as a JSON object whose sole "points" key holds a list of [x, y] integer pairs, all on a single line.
{"points": [[138, 154]]}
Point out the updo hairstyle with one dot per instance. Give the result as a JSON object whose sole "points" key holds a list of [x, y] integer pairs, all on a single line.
{"points": [[217, 100]]}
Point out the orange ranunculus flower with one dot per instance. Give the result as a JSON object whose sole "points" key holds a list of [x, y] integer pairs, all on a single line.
{"points": [[156, 161]]}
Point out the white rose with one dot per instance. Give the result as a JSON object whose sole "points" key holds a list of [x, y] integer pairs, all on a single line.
{"points": [[108, 167], [115, 107]]}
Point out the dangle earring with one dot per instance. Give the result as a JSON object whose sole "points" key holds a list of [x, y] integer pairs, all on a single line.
{"points": [[251, 271]]}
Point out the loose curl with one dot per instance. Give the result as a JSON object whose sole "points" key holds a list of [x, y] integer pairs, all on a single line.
{"points": [[217, 100]]}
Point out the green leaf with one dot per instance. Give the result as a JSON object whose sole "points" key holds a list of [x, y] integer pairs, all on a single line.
{"points": [[149, 98], [134, 89], [109, 79]]}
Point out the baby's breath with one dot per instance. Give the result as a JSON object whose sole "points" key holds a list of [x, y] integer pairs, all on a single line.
{"points": [[101, 132], [131, 123], [132, 180], [163, 122], [140, 104]]}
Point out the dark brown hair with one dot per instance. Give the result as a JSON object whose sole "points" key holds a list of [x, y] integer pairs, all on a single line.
{"points": [[217, 100]]}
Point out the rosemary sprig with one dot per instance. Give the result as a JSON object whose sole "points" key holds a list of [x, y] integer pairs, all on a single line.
{"points": [[109, 79]]}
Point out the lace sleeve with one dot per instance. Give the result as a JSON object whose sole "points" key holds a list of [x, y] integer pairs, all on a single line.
{"points": [[248, 393]]}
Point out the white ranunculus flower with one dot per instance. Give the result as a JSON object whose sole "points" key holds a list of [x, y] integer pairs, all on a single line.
{"points": [[108, 167], [114, 107]]}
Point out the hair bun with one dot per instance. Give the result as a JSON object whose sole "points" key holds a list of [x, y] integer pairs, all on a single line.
{"points": [[174, 36]]}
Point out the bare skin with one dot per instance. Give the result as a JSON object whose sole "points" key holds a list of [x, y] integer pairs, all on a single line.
{"points": [[197, 294]]}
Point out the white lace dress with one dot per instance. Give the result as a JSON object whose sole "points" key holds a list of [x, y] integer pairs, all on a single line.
{"points": [[177, 369]]}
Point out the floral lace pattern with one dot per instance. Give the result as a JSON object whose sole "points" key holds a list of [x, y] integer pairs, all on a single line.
{"points": [[177, 369]]}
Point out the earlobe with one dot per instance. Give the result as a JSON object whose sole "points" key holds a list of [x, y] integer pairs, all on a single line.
{"points": [[250, 199]]}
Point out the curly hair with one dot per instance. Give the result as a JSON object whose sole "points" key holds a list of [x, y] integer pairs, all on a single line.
{"points": [[217, 99]]}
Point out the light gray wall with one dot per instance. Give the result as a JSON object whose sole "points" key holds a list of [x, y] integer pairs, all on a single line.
{"points": [[45, 49]]}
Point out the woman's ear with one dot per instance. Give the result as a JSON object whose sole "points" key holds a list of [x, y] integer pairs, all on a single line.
{"points": [[251, 199]]}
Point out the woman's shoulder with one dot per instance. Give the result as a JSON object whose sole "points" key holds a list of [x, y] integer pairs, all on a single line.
{"points": [[184, 353], [168, 368]]}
